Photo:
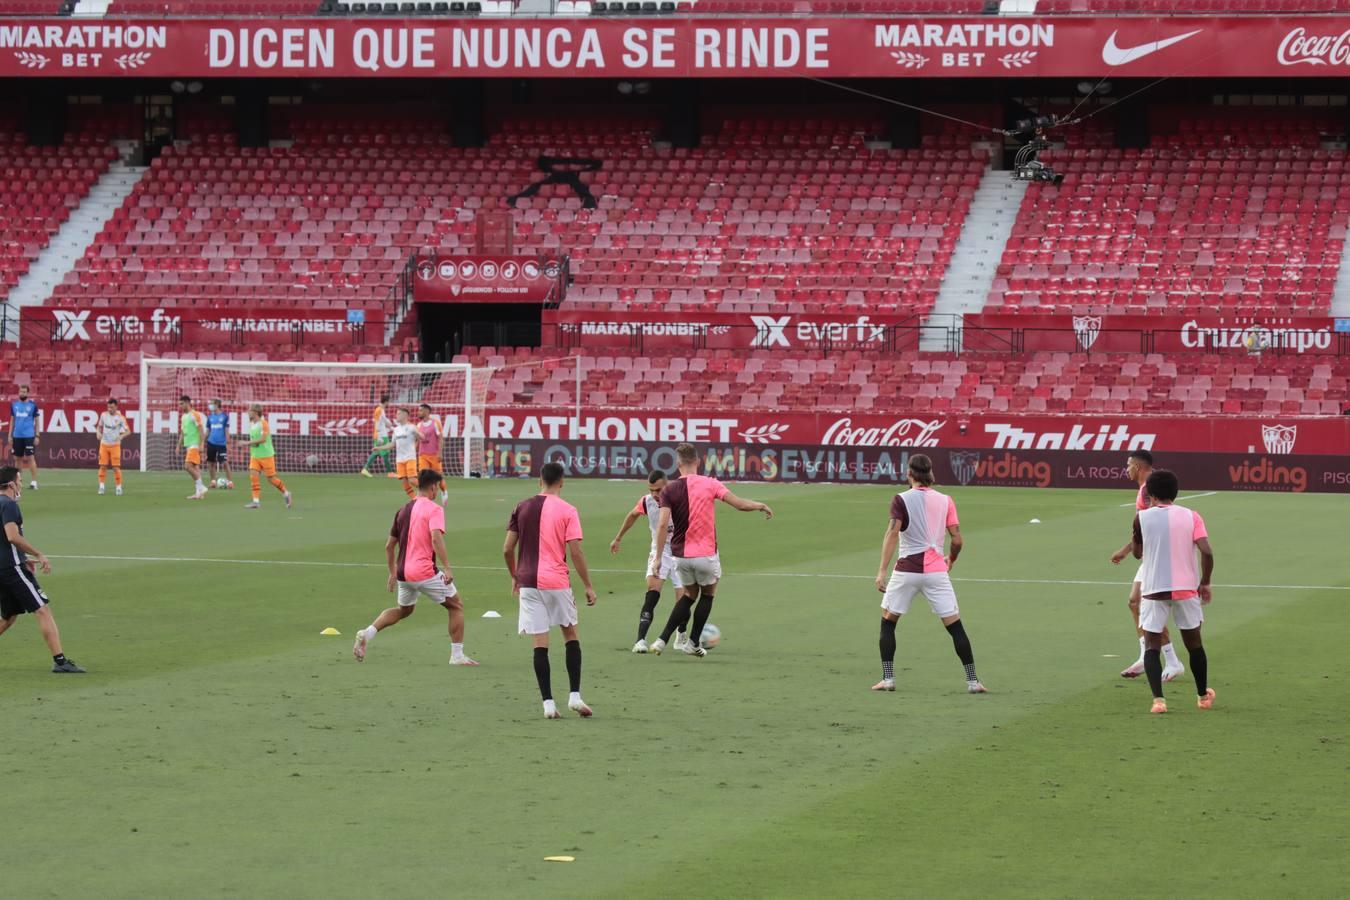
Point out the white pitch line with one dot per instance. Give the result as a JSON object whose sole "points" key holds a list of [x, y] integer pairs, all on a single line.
{"points": [[834, 575], [1180, 499]]}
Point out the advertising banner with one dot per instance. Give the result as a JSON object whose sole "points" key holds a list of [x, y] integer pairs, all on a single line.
{"points": [[100, 324], [488, 279], [887, 465], [844, 47], [621, 328], [1155, 334]]}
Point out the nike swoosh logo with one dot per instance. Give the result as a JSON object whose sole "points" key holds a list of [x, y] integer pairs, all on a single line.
{"points": [[1114, 55]]}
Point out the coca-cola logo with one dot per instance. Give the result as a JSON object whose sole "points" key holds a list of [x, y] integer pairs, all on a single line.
{"points": [[1300, 48], [901, 433]]}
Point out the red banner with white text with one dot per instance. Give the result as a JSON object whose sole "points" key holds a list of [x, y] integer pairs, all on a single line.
{"points": [[195, 326], [1157, 334], [488, 279], [728, 331], [984, 46]]}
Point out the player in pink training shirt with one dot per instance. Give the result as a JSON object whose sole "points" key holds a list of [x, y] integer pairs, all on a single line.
{"points": [[921, 520], [1166, 538], [658, 568], [418, 566], [689, 520], [540, 535], [1138, 467]]}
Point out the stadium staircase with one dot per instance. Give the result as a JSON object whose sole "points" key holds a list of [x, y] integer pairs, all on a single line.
{"points": [[1340, 295], [91, 9], [974, 262], [76, 234]]}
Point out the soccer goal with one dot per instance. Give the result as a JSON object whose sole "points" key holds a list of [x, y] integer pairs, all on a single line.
{"points": [[320, 414]]}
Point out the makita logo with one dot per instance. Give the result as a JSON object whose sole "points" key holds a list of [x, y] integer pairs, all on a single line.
{"points": [[1302, 49], [83, 325], [900, 433], [1254, 335], [1104, 438], [777, 331]]}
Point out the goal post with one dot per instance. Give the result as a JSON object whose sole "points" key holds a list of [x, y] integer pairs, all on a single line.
{"points": [[320, 414]]}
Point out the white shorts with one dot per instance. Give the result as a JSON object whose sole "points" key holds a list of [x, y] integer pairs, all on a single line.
{"points": [[434, 588], [697, 570], [666, 570], [935, 586], [1188, 614], [541, 610]]}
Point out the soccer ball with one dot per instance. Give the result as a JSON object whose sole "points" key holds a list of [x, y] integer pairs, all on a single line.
{"points": [[222, 483], [711, 637], [312, 460]]}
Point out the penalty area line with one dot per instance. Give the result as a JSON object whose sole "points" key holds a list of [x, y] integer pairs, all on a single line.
{"points": [[1180, 499], [325, 564]]}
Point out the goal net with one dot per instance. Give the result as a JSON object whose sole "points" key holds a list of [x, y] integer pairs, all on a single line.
{"points": [[320, 414]]}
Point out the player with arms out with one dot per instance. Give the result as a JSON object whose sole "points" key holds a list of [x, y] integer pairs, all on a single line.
{"points": [[1166, 537], [262, 458], [23, 434], [540, 535], [1138, 467], [418, 566], [193, 428], [922, 520], [429, 443], [404, 440], [19, 589], [380, 429], [658, 568], [218, 442], [689, 519], [112, 429]]}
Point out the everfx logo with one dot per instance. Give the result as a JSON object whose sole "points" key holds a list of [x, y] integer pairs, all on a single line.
{"points": [[771, 331], [71, 324]]}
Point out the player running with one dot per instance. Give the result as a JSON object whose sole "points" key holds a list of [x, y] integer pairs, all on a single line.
{"points": [[649, 505], [218, 442], [404, 439], [19, 589], [262, 459], [1137, 468], [112, 429], [921, 520], [689, 520], [380, 429], [429, 444], [418, 566], [23, 434], [1166, 537], [193, 429], [541, 533]]}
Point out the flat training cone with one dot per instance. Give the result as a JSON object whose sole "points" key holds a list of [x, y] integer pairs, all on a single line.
{"points": [[330, 630], [560, 859], [492, 614]]}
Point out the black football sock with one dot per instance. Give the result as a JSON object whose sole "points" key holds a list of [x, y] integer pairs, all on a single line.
{"points": [[1200, 670], [888, 649], [542, 673], [648, 607], [678, 617], [961, 643], [574, 666], [1153, 669], [59, 658], [701, 613]]}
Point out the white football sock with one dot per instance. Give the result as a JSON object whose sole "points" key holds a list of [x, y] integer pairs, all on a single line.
{"points": [[456, 650], [1171, 655], [1143, 645], [369, 633], [573, 697], [550, 707]]}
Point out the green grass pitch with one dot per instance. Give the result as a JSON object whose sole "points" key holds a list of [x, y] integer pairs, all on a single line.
{"points": [[219, 746]]}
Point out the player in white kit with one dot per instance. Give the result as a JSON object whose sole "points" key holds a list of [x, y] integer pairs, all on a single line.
{"points": [[1166, 538], [1138, 467], [921, 521], [649, 505], [403, 438]]}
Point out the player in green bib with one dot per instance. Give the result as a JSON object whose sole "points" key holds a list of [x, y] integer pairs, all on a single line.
{"points": [[193, 428], [262, 458]]}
